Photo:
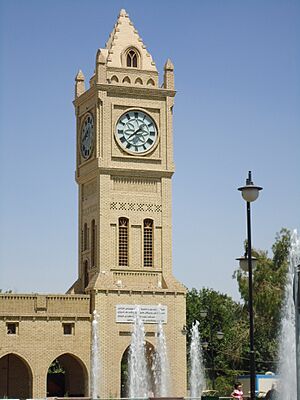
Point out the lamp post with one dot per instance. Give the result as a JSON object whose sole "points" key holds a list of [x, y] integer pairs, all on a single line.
{"points": [[250, 193], [206, 345]]}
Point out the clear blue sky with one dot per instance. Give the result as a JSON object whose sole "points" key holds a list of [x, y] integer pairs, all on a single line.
{"points": [[237, 69]]}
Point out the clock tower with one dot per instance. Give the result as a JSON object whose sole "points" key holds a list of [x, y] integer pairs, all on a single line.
{"points": [[124, 174]]}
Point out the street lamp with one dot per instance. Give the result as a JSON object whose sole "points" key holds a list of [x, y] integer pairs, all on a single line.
{"points": [[250, 193], [209, 345]]}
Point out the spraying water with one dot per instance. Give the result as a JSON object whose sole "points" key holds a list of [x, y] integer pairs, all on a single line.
{"points": [[161, 368], [95, 357], [197, 378], [137, 365], [287, 346]]}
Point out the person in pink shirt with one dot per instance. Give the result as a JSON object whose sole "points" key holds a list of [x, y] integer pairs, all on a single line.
{"points": [[237, 392]]}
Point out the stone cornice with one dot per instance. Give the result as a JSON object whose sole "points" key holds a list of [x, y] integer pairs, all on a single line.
{"points": [[135, 91]]}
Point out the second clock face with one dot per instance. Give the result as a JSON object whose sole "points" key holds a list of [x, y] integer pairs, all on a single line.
{"points": [[87, 135], [136, 132]]}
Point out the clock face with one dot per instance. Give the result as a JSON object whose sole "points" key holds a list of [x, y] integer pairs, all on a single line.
{"points": [[87, 136], [136, 132]]}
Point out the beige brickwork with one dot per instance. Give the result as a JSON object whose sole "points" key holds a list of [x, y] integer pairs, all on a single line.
{"points": [[40, 340], [113, 183]]}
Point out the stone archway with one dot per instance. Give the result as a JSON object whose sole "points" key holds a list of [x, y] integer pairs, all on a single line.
{"points": [[124, 388], [67, 376], [15, 377]]}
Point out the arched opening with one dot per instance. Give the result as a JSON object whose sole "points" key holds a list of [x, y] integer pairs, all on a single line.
{"points": [[123, 242], [93, 243], [15, 378], [86, 273], [67, 376], [148, 242], [132, 59], [125, 378]]}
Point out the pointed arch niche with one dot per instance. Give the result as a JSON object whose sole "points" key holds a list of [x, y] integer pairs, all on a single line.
{"points": [[67, 375], [15, 369], [124, 368], [131, 58]]}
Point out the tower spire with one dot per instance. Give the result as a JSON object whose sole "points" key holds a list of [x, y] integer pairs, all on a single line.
{"points": [[125, 36]]}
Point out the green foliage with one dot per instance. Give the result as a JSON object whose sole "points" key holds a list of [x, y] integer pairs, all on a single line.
{"points": [[231, 354], [268, 289], [56, 368], [228, 316]]}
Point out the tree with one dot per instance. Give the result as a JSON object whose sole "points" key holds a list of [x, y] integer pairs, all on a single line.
{"points": [[224, 314], [269, 280]]}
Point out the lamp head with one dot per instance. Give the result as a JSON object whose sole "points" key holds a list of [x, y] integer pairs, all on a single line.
{"points": [[250, 192], [243, 261], [205, 345], [220, 335]]}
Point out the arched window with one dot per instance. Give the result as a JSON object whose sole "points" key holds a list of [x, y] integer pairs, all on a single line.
{"points": [[123, 242], [86, 274], [85, 236], [131, 59], [148, 243], [93, 243]]}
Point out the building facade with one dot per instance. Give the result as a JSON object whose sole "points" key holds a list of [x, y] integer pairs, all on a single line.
{"points": [[124, 174]]}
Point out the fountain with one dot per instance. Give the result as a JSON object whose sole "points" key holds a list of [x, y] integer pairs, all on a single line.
{"points": [[95, 357], [161, 368], [196, 379], [287, 346], [137, 365]]}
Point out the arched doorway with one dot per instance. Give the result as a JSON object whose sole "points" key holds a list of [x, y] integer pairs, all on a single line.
{"points": [[15, 377], [67, 376], [150, 353]]}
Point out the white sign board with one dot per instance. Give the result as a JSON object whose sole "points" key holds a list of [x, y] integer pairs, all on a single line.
{"points": [[125, 313]]}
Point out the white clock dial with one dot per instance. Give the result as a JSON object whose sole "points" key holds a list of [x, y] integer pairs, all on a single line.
{"points": [[136, 132], [87, 136]]}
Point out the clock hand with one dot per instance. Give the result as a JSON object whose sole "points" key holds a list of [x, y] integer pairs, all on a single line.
{"points": [[134, 133]]}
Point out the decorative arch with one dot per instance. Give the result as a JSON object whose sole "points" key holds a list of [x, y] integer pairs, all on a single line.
{"points": [[67, 375], [15, 369], [93, 243], [85, 273], [124, 368], [132, 58], [150, 82], [114, 79], [126, 80], [85, 236], [138, 81]]}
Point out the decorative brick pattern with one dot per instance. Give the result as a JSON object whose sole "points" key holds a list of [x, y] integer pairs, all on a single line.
{"points": [[143, 207]]}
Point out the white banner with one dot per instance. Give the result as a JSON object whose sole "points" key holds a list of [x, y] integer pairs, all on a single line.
{"points": [[125, 313]]}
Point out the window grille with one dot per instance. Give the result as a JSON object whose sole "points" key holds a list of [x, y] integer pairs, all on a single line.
{"points": [[131, 59], [148, 243], [123, 242]]}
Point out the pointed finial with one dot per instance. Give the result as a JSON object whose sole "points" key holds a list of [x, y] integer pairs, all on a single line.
{"points": [[79, 77], [169, 65], [100, 58], [123, 13], [169, 75], [79, 84]]}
